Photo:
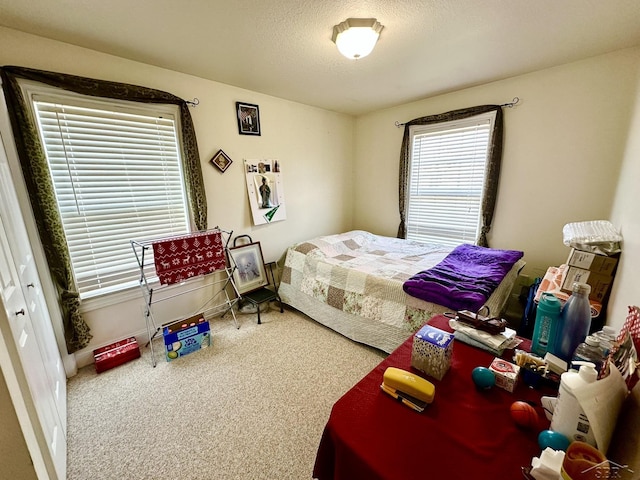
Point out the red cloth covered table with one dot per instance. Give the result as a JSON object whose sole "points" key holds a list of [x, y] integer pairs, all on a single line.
{"points": [[464, 434]]}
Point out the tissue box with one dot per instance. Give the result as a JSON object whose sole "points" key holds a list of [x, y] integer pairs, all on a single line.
{"points": [[506, 374], [186, 336], [431, 351], [116, 354]]}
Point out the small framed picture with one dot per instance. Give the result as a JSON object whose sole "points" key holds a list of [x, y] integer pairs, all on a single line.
{"points": [[221, 160], [247, 262], [248, 118]]}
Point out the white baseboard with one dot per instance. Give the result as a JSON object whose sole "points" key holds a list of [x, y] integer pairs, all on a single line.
{"points": [[70, 365], [84, 357]]}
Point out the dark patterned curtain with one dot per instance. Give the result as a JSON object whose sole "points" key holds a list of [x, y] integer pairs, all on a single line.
{"points": [[40, 185], [492, 173]]}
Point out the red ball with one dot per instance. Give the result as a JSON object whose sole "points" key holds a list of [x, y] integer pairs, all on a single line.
{"points": [[524, 415]]}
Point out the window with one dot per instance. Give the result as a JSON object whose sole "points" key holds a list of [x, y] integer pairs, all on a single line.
{"points": [[117, 177], [447, 168]]}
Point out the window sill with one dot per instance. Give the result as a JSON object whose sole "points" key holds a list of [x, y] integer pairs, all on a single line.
{"points": [[135, 293], [110, 299]]}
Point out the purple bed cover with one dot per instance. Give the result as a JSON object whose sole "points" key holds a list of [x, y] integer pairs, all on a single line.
{"points": [[465, 279]]}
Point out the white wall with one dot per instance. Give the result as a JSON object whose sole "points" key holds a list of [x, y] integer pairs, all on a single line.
{"points": [[314, 148], [564, 144], [568, 149], [626, 216]]}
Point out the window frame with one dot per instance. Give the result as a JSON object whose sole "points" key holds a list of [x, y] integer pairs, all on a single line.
{"points": [[34, 91], [486, 118]]}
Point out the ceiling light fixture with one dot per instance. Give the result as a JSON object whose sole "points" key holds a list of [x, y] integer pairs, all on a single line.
{"points": [[356, 37]]}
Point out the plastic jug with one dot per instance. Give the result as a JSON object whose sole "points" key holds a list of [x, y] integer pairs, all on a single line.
{"points": [[576, 321], [569, 418], [548, 321], [607, 337], [589, 351]]}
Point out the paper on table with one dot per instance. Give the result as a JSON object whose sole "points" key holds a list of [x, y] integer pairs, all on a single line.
{"points": [[601, 402]]}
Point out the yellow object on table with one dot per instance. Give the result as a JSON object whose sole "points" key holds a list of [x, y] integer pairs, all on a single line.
{"points": [[399, 380]]}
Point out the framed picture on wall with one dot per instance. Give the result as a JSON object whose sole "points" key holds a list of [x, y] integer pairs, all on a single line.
{"points": [[248, 118], [249, 273], [221, 160]]}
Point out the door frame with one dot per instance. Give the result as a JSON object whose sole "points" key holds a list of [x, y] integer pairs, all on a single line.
{"points": [[8, 143]]}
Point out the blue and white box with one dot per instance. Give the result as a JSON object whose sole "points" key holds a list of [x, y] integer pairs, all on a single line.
{"points": [[182, 338], [432, 349]]}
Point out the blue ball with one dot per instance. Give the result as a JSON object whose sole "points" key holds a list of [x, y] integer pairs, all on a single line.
{"points": [[555, 440], [483, 378]]}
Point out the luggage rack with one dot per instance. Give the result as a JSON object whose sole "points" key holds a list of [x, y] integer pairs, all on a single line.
{"points": [[143, 252]]}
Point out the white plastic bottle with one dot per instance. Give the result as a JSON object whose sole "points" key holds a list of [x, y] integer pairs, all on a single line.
{"points": [[569, 418]]}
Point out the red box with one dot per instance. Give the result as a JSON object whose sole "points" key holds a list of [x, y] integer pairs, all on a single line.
{"points": [[116, 354]]}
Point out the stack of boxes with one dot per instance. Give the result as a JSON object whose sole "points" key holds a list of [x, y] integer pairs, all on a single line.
{"points": [[584, 265], [591, 268]]}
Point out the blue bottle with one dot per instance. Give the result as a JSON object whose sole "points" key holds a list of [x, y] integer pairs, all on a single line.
{"points": [[576, 321], [548, 321]]}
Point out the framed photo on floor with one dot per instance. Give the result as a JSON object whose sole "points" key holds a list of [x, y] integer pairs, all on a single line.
{"points": [[248, 116], [249, 273]]}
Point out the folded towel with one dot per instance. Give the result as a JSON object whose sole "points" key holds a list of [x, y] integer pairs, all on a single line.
{"points": [[465, 279]]}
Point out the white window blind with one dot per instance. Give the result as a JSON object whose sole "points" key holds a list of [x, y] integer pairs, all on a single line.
{"points": [[117, 177], [446, 180]]}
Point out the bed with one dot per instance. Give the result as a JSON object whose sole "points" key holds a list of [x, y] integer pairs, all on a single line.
{"points": [[353, 283]]}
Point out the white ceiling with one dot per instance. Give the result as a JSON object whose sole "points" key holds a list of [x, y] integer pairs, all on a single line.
{"points": [[283, 47]]}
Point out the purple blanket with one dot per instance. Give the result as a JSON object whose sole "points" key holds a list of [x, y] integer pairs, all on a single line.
{"points": [[465, 279]]}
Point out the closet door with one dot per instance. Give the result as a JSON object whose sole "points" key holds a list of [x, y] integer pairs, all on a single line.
{"points": [[31, 287], [38, 360]]}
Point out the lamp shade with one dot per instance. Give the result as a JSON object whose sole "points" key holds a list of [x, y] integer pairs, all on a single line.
{"points": [[356, 37]]}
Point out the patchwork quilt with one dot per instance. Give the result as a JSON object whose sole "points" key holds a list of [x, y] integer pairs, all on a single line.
{"points": [[353, 283], [362, 274]]}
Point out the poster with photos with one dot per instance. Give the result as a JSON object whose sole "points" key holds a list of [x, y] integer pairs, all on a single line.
{"points": [[266, 192]]}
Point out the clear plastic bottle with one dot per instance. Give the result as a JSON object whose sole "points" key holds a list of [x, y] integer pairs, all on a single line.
{"points": [[576, 321], [607, 337], [589, 351], [548, 322]]}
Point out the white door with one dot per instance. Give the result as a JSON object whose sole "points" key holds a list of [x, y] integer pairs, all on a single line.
{"points": [[29, 323], [32, 290]]}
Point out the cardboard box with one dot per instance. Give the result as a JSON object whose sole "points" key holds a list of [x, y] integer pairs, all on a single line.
{"points": [[600, 264], [184, 323], [431, 351], [600, 284], [506, 374], [552, 282], [116, 354], [186, 336]]}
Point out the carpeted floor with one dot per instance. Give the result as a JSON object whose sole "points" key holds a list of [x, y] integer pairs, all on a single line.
{"points": [[251, 406]]}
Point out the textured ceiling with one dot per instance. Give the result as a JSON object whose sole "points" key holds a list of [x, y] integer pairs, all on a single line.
{"points": [[283, 47]]}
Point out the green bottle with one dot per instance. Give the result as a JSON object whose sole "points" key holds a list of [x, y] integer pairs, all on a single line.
{"points": [[548, 318]]}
